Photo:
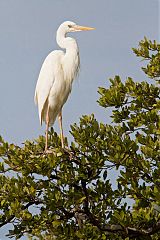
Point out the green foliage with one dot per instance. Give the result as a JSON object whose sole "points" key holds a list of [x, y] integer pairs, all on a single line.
{"points": [[150, 51], [68, 193]]}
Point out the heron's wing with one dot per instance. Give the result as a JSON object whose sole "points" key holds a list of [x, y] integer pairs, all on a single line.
{"points": [[46, 79]]}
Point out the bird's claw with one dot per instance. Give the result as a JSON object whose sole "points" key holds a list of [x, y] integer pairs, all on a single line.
{"points": [[48, 151]]}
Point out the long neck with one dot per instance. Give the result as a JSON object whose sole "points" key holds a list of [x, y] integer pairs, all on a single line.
{"points": [[71, 61], [65, 42]]}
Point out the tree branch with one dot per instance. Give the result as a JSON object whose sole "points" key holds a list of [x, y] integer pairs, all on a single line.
{"points": [[13, 215], [7, 220], [132, 232]]}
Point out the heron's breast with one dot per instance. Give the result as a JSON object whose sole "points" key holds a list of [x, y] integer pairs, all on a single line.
{"points": [[70, 64], [59, 94]]}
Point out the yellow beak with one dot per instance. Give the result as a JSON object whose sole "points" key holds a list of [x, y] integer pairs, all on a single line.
{"points": [[82, 28]]}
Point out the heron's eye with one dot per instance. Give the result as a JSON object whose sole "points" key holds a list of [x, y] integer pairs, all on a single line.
{"points": [[69, 26]]}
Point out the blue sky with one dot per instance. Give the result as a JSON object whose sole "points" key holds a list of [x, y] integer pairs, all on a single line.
{"points": [[27, 30]]}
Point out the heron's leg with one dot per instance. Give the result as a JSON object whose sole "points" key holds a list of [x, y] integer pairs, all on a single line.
{"points": [[47, 127], [61, 128]]}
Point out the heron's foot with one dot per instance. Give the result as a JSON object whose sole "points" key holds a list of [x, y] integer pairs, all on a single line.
{"points": [[52, 151], [49, 151]]}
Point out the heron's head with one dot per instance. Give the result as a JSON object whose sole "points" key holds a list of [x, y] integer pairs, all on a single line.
{"points": [[69, 26]]}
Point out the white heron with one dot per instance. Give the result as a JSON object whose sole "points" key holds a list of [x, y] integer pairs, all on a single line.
{"points": [[56, 76]]}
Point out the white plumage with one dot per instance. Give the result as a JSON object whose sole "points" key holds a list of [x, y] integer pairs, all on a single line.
{"points": [[56, 76]]}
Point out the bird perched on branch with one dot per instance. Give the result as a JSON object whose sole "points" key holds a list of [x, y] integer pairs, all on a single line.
{"points": [[56, 76]]}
